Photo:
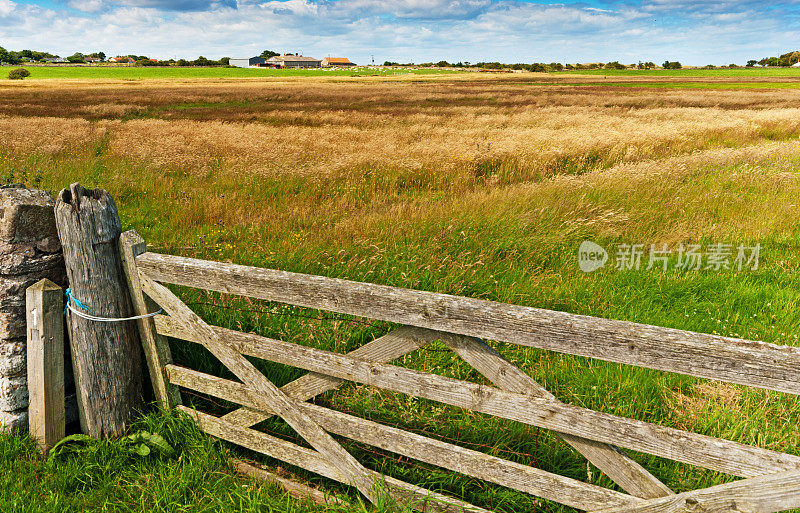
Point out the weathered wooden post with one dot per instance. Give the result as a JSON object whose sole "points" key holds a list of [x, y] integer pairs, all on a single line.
{"points": [[106, 356], [44, 304]]}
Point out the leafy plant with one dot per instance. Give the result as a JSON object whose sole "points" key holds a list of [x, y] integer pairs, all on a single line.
{"points": [[141, 444], [18, 74]]}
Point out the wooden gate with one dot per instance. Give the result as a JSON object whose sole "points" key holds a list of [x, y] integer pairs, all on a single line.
{"points": [[772, 479]]}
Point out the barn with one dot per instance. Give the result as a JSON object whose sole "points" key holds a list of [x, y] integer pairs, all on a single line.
{"points": [[252, 62], [293, 61], [336, 61]]}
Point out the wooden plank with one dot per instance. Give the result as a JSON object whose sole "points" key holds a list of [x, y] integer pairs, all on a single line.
{"points": [[624, 471], [763, 494], [156, 349], [695, 449], [452, 457], [266, 394], [297, 490], [44, 303], [745, 362], [391, 346], [402, 492], [106, 356]]}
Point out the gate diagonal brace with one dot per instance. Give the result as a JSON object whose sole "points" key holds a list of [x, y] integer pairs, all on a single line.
{"points": [[628, 474], [267, 394]]}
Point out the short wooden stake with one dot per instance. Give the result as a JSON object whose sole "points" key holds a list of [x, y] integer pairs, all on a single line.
{"points": [[45, 316]]}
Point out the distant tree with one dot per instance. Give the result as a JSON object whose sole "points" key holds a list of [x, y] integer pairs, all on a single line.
{"points": [[183, 62], [18, 74], [751, 63], [791, 58], [8, 57], [556, 66], [671, 65], [101, 55], [145, 62], [266, 54], [225, 61], [442, 64], [76, 58], [202, 61], [615, 65]]}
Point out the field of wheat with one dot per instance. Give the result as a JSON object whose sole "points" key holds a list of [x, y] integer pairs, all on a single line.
{"points": [[466, 184]]}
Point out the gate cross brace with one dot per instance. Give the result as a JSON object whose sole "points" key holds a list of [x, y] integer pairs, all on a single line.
{"points": [[269, 395], [628, 474]]}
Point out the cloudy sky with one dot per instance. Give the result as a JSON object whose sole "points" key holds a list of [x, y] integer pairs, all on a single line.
{"points": [[694, 32]]}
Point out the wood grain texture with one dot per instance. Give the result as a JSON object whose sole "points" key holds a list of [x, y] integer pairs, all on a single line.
{"points": [[413, 496], [268, 396], [745, 362], [297, 490], [389, 347], [628, 474], [452, 457], [764, 494], [156, 350], [44, 304], [696, 449], [106, 356]]}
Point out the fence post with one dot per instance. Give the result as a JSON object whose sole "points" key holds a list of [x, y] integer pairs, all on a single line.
{"points": [[44, 304], [106, 356], [156, 349]]}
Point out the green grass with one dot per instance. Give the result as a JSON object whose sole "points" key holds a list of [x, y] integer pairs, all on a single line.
{"points": [[515, 246], [104, 477], [697, 72], [142, 73]]}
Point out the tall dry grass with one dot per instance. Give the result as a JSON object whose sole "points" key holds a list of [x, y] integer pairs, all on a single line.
{"points": [[452, 134]]}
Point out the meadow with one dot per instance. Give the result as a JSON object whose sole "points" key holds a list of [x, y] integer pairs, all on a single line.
{"points": [[466, 184], [149, 73]]}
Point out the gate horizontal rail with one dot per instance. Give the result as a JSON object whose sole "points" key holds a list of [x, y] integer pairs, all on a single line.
{"points": [[772, 479]]}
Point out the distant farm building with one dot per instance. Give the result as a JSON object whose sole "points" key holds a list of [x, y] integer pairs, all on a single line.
{"points": [[252, 62], [55, 60], [126, 60], [336, 61], [292, 61]]}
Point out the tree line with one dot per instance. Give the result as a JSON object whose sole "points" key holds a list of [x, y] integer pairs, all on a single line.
{"points": [[32, 56], [785, 60], [539, 66]]}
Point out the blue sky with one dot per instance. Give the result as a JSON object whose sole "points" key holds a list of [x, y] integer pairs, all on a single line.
{"points": [[694, 32]]}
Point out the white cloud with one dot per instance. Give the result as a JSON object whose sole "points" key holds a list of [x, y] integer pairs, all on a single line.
{"points": [[91, 6], [6, 7]]}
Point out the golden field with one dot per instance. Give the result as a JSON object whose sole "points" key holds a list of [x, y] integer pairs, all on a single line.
{"points": [[466, 184]]}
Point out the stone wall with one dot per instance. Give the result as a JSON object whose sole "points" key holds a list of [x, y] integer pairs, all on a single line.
{"points": [[29, 251]]}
